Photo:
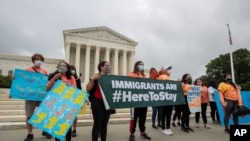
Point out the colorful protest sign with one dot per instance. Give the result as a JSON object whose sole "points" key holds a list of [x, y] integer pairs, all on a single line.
{"points": [[58, 110], [127, 92], [245, 95], [28, 85], [194, 98]]}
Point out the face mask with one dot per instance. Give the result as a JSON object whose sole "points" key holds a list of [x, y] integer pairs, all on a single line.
{"points": [[38, 63], [229, 80], [73, 72], [108, 69], [62, 69], [141, 68]]}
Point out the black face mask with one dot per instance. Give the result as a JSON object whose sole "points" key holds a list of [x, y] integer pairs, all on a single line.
{"points": [[229, 80]]}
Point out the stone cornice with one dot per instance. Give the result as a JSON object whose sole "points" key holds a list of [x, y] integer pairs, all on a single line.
{"points": [[100, 33]]}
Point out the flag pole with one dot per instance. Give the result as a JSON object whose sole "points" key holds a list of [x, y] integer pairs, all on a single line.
{"points": [[231, 55]]}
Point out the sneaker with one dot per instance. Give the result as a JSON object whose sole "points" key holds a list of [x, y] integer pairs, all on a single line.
{"points": [[145, 136], [166, 132], [170, 132], [132, 137], [29, 137], [184, 129], [197, 125], [173, 124], [178, 123], [190, 129], [154, 127], [206, 126], [73, 133], [158, 125], [227, 130]]}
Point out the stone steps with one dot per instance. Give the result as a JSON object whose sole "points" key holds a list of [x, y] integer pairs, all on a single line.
{"points": [[12, 114]]}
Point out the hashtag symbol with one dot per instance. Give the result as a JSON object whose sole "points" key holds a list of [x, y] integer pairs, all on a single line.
{"points": [[117, 96]]}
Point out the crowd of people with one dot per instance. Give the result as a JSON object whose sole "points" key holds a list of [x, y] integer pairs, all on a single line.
{"points": [[163, 115]]}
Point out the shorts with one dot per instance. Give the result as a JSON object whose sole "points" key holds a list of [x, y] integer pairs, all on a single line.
{"points": [[30, 107]]}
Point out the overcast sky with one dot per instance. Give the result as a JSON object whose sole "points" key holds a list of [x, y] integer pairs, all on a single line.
{"points": [[186, 34]]}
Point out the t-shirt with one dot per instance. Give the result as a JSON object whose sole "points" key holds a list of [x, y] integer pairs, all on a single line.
{"points": [[40, 70], [227, 91]]}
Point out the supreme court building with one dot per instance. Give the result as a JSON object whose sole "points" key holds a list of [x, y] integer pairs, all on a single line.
{"points": [[84, 48]]}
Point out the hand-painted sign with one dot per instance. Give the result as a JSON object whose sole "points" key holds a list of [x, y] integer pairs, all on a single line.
{"points": [[59, 109], [28, 85]]}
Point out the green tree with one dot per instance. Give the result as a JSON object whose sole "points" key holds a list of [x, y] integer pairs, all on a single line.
{"points": [[221, 65]]}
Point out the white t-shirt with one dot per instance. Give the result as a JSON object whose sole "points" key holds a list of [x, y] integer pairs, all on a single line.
{"points": [[211, 91]]}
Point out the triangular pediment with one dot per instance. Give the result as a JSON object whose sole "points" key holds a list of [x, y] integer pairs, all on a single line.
{"points": [[103, 33]]}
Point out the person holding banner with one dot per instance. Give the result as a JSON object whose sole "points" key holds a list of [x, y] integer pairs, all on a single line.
{"points": [[141, 112], [185, 117], [79, 86], [230, 98], [30, 106], [100, 114], [212, 87], [166, 109], [204, 102], [63, 73]]}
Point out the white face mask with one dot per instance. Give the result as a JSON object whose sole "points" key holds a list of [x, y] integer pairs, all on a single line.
{"points": [[37, 63], [62, 69]]}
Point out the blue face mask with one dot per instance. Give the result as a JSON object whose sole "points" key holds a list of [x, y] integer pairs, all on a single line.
{"points": [[141, 68], [73, 72]]}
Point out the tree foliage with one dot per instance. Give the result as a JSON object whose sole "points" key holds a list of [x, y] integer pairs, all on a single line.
{"points": [[221, 65]]}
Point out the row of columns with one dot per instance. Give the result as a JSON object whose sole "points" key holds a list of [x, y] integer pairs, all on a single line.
{"points": [[127, 59]]}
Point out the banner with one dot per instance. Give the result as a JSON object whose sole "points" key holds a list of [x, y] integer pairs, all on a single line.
{"points": [[194, 98], [245, 96], [128, 92], [58, 110], [28, 85]]}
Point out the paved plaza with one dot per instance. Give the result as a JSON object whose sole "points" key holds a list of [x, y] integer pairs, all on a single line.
{"points": [[119, 132]]}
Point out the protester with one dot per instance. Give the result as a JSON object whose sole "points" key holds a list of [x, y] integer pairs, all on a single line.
{"points": [[212, 88], [156, 110], [100, 114], [185, 117], [79, 86], [166, 109], [230, 98], [141, 112], [177, 114], [63, 73], [30, 105], [204, 102]]}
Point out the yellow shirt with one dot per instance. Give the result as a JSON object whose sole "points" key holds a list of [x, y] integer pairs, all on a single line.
{"points": [[227, 91]]}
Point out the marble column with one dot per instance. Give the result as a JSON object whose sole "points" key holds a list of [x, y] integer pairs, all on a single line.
{"points": [[87, 63], [67, 51], [116, 59], [107, 54], [97, 57], [77, 59], [131, 60], [124, 63]]}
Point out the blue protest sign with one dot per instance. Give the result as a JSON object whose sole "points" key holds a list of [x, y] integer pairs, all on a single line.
{"points": [[58, 110], [28, 85], [245, 95]]}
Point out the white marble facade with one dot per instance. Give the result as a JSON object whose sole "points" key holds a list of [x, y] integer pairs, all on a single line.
{"points": [[84, 48]]}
